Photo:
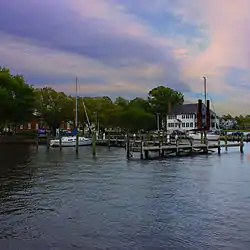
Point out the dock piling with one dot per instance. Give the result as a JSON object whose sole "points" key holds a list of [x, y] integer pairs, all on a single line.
{"points": [[241, 145], [48, 140], [60, 140], [94, 143], [109, 140], [77, 142], [219, 147], [128, 146], [177, 148], [141, 148], [37, 140]]}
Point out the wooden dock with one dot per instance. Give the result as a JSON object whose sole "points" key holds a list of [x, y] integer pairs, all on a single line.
{"points": [[147, 147]]}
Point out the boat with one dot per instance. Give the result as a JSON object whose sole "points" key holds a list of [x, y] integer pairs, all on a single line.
{"points": [[210, 135], [67, 141], [70, 141]]}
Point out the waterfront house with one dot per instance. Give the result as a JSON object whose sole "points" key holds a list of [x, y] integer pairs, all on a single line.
{"points": [[184, 117]]}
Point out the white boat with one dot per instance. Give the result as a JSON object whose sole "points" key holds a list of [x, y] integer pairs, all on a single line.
{"points": [[71, 141], [210, 136]]}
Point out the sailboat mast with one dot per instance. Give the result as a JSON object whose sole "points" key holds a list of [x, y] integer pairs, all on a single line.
{"points": [[205, 89], [76, 118]]}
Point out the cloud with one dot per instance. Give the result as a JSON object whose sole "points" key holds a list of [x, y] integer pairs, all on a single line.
{"points": [[90, 39], [128, 47]]}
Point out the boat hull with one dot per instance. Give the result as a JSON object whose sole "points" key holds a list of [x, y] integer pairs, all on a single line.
{"points": [[71, 143], [210, 137]]}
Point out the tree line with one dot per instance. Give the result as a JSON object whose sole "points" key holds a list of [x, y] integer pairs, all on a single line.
{"points": [[19, 102], [242, 121]]}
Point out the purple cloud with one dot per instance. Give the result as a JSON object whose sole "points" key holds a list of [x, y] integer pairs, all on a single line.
{"points": [[118, 44], [53, 25]]}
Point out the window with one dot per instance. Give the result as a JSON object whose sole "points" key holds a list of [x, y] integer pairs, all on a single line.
{"points": [[29, 125], [191, 124], [183, 125], [176, 125], [195, 125], [191, 116], [183, 116], [187, 124], [21, 126], [169, 125]]}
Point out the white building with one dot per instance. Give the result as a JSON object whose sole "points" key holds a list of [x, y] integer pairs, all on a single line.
{"points": [[184, 117]]}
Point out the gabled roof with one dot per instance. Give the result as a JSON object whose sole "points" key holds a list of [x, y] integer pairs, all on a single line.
{"points": [[187, 109]]}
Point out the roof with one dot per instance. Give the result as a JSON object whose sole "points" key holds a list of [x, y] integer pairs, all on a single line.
{"points": [[187, 108]]}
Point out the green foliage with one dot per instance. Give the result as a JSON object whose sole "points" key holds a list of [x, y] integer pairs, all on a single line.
{"points": [[17, 99], [54, 107], [161, 98]]}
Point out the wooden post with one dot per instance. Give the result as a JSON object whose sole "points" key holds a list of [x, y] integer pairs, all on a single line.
{"points": [[48, 140], [141, 148], [219, 148], [109, 140], [60, 140], [159, 137], [191, 144], [77, 142], [206, 142], [226, 142], [160, 147], [37, 140], [146, 154], [128, 146], [177, 147], [94, 143], [242, 144], [201, 137]]}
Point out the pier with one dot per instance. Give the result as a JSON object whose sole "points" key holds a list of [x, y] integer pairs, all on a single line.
{"points": [[145, 147]]}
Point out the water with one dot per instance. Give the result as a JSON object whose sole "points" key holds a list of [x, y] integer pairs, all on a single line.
{"points": [[57, 201]]}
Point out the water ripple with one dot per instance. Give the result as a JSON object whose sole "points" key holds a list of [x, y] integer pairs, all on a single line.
{"points": [[55, 200]]}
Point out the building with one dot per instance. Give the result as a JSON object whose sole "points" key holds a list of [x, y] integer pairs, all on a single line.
{"points": [[184, 117]]}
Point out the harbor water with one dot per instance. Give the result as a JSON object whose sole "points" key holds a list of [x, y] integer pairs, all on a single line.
{"points": [[55, 200]]}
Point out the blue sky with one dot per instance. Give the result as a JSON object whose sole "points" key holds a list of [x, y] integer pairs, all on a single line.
{"points": [[125, 48]]}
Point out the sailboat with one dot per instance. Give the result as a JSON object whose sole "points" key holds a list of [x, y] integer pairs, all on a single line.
{"points": [[212, 135], [70, 141]]}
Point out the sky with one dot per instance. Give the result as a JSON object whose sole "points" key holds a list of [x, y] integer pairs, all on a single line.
{"points": [[127, 47]]}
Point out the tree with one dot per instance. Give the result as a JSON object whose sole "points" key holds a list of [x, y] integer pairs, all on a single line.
{"points": [[55, 107], [135, 119], [161, 97], [122, 102], [17, 98], [140, 103]]}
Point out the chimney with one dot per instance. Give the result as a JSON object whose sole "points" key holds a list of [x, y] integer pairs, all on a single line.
{"points": [[199, 114]]}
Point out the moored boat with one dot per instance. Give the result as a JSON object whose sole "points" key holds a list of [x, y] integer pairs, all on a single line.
{"points": [[71, 141], [211, 135]]}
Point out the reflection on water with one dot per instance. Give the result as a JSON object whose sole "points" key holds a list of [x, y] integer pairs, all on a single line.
{"points": [[55, 200]]}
